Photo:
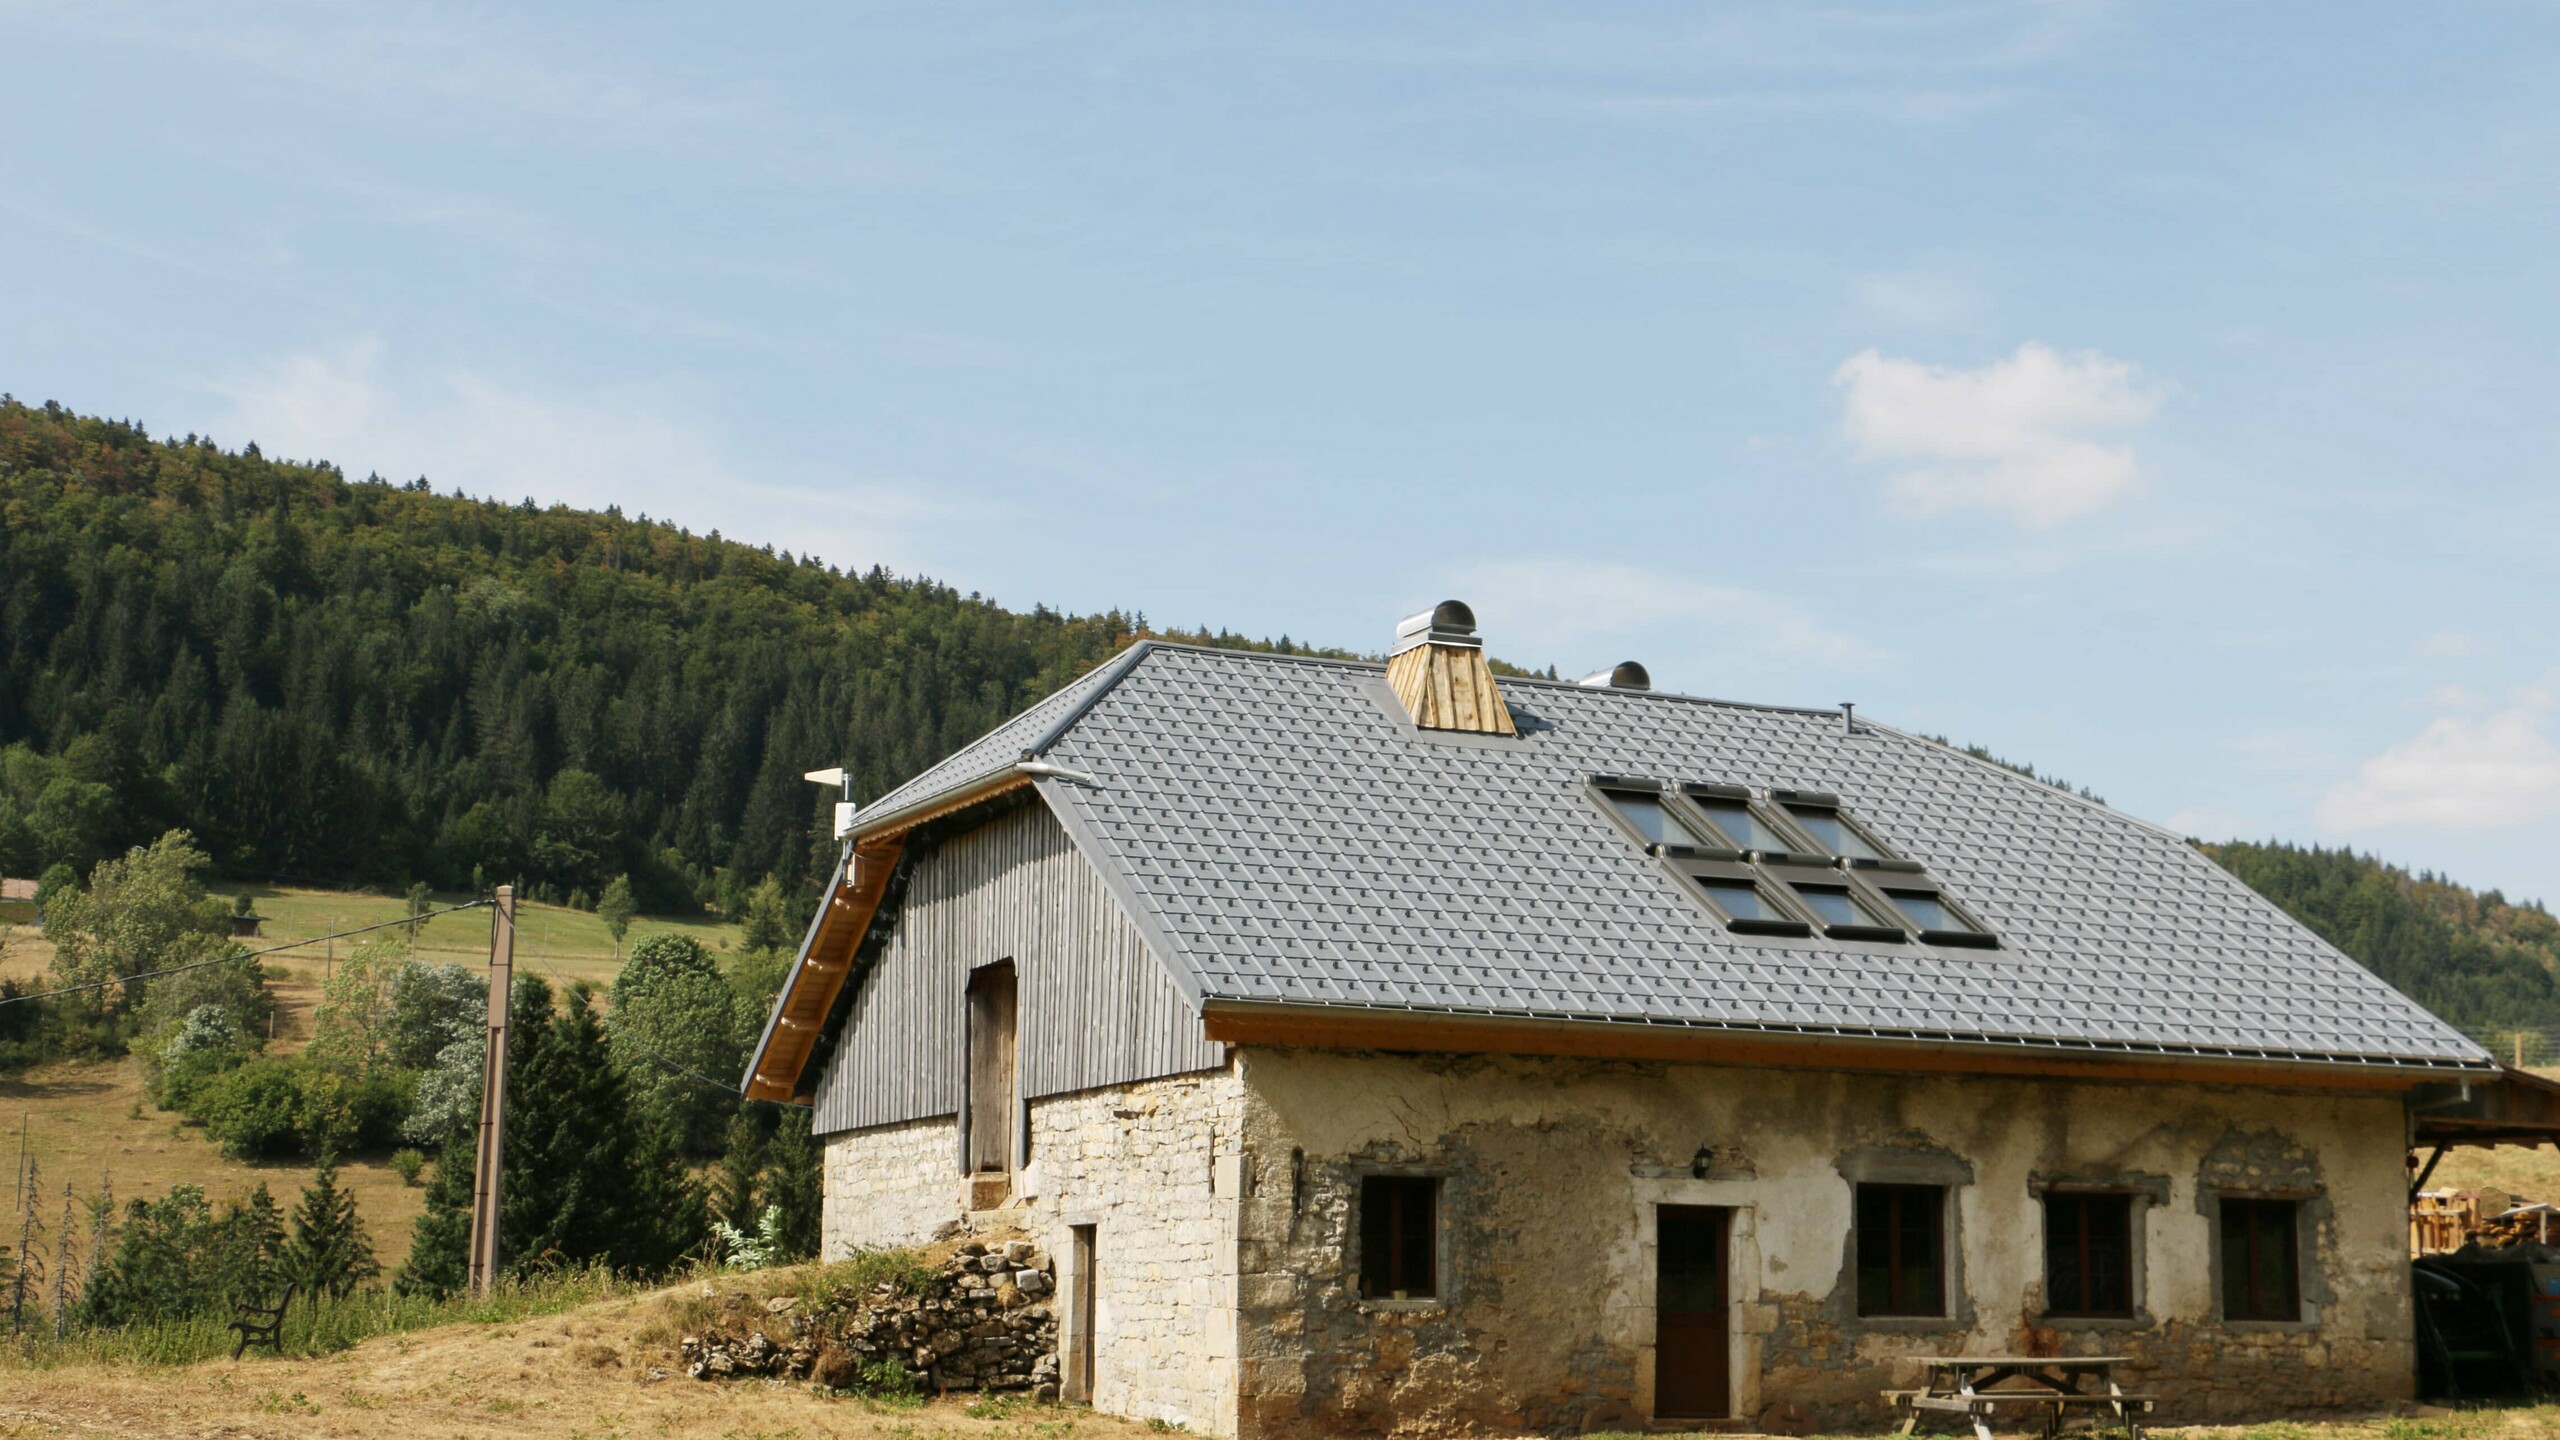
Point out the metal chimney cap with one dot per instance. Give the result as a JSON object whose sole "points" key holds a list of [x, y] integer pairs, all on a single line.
{"points": [[1448, 623], [1625, 675]]}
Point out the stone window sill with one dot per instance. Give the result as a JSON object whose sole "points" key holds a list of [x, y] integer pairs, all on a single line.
{"points": [[2096, 1322], [1404, 1307], [2271, 1327], [1909, 1324]]}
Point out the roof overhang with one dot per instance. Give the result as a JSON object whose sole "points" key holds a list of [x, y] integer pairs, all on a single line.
{"points": [[2509, 1107], [777, 1070], [1367, 1028]]}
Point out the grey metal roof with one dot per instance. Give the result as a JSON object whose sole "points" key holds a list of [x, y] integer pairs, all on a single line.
{"points": [[1286, 837]]}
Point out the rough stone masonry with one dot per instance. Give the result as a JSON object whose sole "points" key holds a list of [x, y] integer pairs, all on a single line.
{"points": [[982, 1321]]}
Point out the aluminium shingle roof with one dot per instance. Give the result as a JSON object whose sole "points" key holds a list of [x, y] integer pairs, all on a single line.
{"points": [[1287, 837]]}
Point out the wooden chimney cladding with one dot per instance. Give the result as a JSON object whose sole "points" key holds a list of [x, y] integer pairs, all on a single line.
{"points": [[1439, 672]]}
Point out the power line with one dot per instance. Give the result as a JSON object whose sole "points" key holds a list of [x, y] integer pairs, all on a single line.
{"points": [[418, 919]]}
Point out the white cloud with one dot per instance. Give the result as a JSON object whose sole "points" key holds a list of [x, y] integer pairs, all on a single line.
{"points": [[2032, 437], [1694, 636], [632, 447], [2460, 773]]}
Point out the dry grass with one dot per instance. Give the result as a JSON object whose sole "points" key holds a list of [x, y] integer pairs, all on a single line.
{"points": [[581, 1375], [81, 1122]]}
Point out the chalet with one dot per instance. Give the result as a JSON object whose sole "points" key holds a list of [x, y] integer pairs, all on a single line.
{"points": [[1383, 1046]]}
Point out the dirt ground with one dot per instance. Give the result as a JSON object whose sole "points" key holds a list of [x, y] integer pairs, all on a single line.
{"points": [[580, 1376]]}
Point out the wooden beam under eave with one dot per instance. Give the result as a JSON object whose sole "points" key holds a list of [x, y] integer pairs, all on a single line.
{"points": [[1604, 1040]]}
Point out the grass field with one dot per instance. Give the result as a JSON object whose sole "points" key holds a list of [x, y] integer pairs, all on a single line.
{"points": [[91, 1124]]}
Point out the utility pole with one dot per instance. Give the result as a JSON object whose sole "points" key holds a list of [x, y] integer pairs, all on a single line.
{"points": [[493, 1095]]}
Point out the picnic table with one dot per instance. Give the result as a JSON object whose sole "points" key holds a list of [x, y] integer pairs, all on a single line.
{"points": [[2060, 1386]]}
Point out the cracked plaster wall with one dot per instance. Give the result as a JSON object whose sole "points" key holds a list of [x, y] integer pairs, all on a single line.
{"points": [[1551, 1169]]}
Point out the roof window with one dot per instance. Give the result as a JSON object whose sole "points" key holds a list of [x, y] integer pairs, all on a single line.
{"points": [[1846, 914], [1748, 826], [1819, 816], [1939, 920], [1747, 904], [1790, 862], [1642, 811]]}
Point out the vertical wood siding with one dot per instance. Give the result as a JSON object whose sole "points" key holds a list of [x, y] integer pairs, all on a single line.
{"points": [[1096, 1007]]}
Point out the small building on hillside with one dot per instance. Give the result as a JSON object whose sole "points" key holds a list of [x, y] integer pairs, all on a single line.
{"points": [[17, 901], [1389, 1045]]}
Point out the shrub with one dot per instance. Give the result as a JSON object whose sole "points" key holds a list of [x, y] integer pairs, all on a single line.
{"points": [[255, 1111], [408, 1164]]}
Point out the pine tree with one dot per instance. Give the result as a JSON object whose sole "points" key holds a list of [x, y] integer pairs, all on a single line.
{"points": [[250, 1250], [329, 1254], [733, 1180], [794, 1167], [439, 1262]]}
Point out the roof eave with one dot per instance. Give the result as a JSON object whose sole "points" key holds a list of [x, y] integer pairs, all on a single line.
{"points": [[1321, 1026]]}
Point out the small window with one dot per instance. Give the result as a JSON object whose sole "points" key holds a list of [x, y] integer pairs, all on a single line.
{"points": [[1901, 1250], [1398, 1240], [1737, 819], [1843, 913], [1836, 834], [2261, 1276], [2088, 1255], [1743, 900], [1649, 818]]}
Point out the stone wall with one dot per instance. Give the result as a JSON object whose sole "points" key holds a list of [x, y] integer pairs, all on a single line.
{"points": [[1152, 1167], [890, 1185], [1551, 1170]]}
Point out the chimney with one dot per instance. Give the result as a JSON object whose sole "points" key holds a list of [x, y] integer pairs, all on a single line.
{"points": [[1625, 675], [1438, 670]]}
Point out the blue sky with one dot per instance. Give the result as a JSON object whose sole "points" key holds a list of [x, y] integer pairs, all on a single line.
{"points": [[2158, 394]]}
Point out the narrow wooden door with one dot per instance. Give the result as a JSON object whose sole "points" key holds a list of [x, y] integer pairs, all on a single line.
{"points": [[991, 1108], [1692, 1350], [1079, 1376]]}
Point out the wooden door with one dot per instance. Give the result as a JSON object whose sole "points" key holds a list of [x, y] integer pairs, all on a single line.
{"points": [[1692, 1350], [1079, 1358], [991, 1107]]}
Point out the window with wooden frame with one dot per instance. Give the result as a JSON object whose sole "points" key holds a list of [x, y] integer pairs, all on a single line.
{"points": [[2088, 1255], [2261, 1259], [1901, 1249], [1399, 1237]]}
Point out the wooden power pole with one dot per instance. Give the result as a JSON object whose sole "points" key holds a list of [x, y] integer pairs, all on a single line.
{"points": [[493, 1095]]}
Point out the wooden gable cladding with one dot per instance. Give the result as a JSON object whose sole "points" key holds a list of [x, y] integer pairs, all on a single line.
{"points": [[852, 901], [1449, 687]]}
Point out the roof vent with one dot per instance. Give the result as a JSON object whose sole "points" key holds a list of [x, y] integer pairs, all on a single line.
{"points": [[1438, 671], [1625, 675], [1448, 623]]}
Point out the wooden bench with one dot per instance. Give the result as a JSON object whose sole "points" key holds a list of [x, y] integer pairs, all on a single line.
{"points": [[263, 1325]]}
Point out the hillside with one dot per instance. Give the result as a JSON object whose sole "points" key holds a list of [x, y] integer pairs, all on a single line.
{"points": [[334, 681], [2485, 963]]}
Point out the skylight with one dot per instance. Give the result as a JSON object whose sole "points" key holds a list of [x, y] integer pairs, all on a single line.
{"points": [[1837, 835], [1650, 819], [1737, 819]]}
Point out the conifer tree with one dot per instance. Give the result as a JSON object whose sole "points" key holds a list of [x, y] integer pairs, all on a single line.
{"points": [[439, 1260], [329, 1254]]}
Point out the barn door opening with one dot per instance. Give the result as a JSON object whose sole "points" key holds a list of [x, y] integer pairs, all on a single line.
{"points": [[1692, 1349], [991, 1107]]}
